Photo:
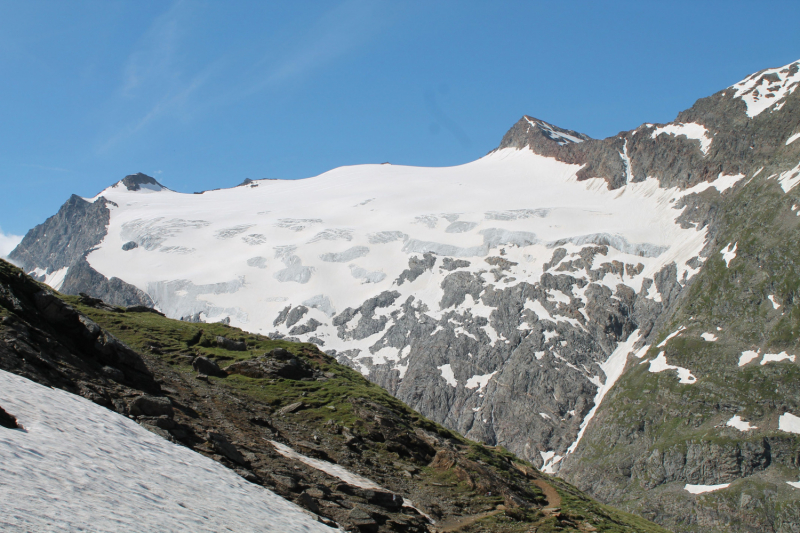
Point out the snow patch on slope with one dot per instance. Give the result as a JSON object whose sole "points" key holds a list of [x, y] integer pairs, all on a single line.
{"points": [[700, 489], [790, 178], [689, 130], [659, 364], [738, 423], [729, 254], [613, 369], [776, 357], [447, 374], [789, 423], [80, 467], [764, 89], [747, 356]]}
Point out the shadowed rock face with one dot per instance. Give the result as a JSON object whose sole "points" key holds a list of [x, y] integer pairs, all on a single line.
{"points": [[64, 240], [134, 182]]}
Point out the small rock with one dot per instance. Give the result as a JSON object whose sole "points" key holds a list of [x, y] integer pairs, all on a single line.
{"points": [[163, 421], [130, 245], [113, 373], [261, 421], [201, 377], [362, 520], [247, 474], [224, 446], [147, 405], [228, 344], [8, 421], [308, 502], [284, 481], [291, 408], [318, 493], [206, 366]]}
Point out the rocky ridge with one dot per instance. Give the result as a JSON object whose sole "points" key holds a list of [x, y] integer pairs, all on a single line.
{"points": [[290, 419]]}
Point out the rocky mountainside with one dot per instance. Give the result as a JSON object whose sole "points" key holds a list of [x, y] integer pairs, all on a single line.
{"points": [[281, 415], [520, 299]]}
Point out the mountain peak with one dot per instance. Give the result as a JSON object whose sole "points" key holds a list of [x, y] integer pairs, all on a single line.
{"points": [[540, 136], [138, 181]]}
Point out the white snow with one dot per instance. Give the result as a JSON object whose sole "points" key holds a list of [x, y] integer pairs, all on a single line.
{"points": [[447, 374], [56, 279], [792, 139], [331, 469], [671, 335], [775, 357], [700, 489], [729, 254], [545, 416], [747, 356], [479, 381], [795, 484], [613, 369], [709, 337], [551, 459], [774, 303], [560, 137], [659, 364], [760, 91], [738, 423], [80, 467], [689, 130], [246, 253], [789, 423], [790, 178]]}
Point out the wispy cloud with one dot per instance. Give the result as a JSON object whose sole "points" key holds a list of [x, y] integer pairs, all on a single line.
{"points": [[7, 243], [44, 167], [338, 31], [155, 71]]}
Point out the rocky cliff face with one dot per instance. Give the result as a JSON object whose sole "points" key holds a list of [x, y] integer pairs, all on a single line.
{"points": [[55, 252], [281, 415], [520, 301]]}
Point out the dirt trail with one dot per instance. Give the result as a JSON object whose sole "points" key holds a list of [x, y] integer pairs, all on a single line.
{"points": [[553, 499], [455, 524]]}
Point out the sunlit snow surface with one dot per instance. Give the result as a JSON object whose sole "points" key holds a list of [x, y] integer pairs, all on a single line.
{"points": [[768, 88], [700, 489], [659, 364], [80, 467], [333, 241], [729, 253], [747, 356], [329, 468], [789, 423], [691, 130], [738, 423]]}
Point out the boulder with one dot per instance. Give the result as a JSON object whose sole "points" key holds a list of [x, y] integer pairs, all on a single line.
{"points": [[7, 420], [228, 344], [146, 405], [222, 445], [206, 366]]}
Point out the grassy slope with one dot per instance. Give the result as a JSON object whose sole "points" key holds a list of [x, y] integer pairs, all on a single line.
{"points": [[171, 341], [653, 412]]}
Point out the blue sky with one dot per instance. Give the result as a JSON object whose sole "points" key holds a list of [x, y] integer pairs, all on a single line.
{"points": [[203, 94]]}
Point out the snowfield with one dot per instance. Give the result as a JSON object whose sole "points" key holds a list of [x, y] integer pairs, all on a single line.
{"points": [[300, 258], [333, 241], [80, 467]]}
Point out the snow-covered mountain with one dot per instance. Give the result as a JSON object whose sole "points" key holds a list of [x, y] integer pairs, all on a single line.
{"points": [[502, 297]]}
